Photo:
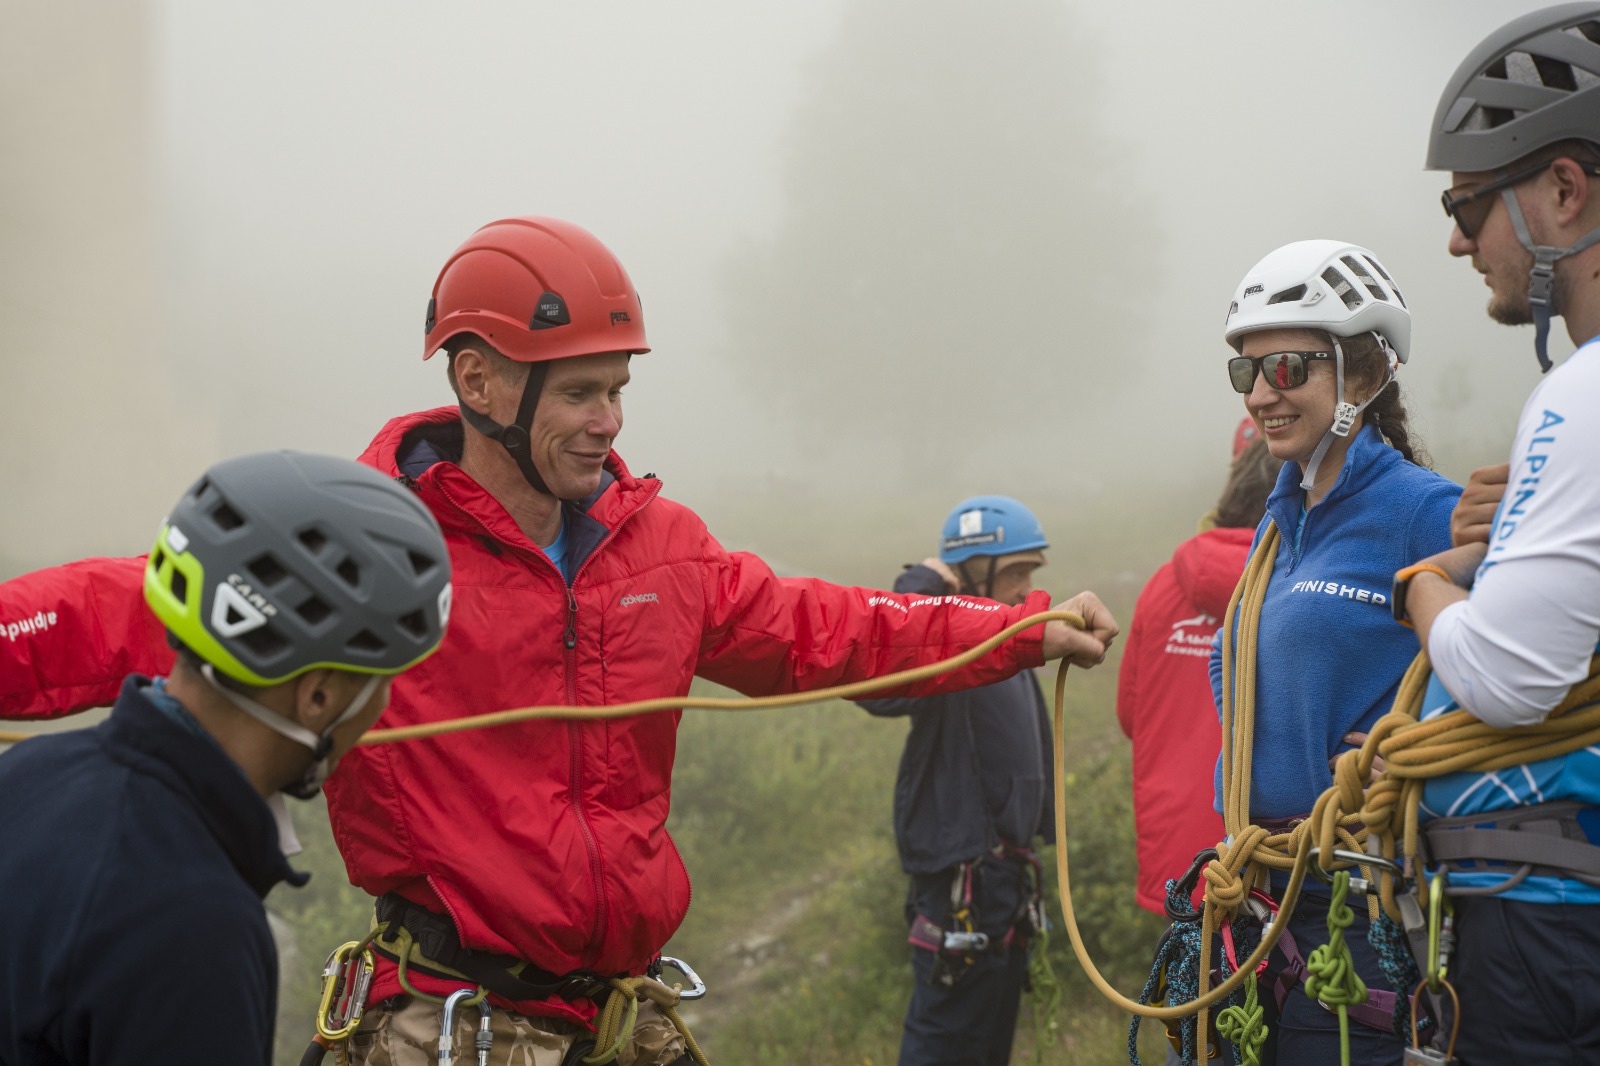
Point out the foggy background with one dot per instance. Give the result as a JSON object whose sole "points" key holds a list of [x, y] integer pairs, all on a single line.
{"points": [[891, 252]]}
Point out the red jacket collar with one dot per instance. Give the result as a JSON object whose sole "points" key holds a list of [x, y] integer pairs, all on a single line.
{"points": [[457, 500]]}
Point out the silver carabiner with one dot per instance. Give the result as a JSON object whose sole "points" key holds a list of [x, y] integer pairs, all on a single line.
{"points": [[1357, 858], [447, 1025], [697, 987]]}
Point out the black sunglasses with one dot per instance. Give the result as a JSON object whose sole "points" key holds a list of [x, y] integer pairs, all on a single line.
{"points": [[1470, 209], [1283, 370]]}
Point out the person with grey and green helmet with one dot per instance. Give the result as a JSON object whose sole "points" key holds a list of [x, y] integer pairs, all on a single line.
{"points": [[294, 587], [1510, 615]]}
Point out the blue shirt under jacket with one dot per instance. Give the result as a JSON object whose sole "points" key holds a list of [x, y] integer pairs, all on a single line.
{"points": [[133, 860], [976, 768], [1329, 655]]}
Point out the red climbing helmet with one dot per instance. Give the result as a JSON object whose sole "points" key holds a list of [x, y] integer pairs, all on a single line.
{"points": [[537, 289]]}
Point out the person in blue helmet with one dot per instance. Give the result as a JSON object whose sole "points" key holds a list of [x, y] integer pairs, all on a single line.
{"points": [[972, 796]]}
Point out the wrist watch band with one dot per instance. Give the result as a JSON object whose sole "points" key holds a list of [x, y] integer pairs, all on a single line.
{"points": [[1402, 582]]}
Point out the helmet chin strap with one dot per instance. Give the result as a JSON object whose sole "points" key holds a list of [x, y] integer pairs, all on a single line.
{"points": [[1541, 278], [1344, 413], [970, 587], [310, 782], [515, 437]]}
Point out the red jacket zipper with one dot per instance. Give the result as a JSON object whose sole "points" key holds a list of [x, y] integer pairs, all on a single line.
{"points": [[574, 728], [569, 639]]}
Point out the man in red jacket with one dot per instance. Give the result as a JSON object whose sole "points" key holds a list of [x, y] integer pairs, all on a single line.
{"points": [[533, 860], [1164, 692]]}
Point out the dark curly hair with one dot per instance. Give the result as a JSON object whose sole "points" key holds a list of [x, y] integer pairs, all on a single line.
{"points": [[1364, 366]]}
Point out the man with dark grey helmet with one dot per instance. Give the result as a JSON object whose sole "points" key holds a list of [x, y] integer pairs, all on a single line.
{"points": [[136, 854], [1518, 127]]}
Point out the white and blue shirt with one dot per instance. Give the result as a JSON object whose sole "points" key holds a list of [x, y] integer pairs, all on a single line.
{"points": [[1511, 651]]}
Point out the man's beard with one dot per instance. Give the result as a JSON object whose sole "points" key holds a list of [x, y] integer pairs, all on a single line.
{"points": [[1512, 311]]}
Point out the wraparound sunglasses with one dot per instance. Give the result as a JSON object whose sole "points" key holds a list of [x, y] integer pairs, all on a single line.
{"points": [[1283, 370]]}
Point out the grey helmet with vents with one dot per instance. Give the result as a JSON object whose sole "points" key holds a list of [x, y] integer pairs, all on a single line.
{"points": [[281, 562], [1530, 84], [1337, 288]]}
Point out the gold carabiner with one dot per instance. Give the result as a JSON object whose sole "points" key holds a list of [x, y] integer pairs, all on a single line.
{"points": [[1439, 908], [345, 980], [1455, 1023]]}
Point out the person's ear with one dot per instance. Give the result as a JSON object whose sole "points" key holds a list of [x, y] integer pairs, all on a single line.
{"points": [[1573, 193], [319, 698], [472, 371]]}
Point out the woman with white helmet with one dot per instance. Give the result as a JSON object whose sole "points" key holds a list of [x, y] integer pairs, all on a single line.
{"points": [[1319, 330]]}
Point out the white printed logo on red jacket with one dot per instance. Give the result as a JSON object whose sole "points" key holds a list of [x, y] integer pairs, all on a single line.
{"points": [[1192, 636], [26, 627]]}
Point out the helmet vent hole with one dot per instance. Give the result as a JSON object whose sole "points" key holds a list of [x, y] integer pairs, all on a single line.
{"points": [[1365, 275], [263, 642], [366, 641], [314, 611], [314, 540], [1288, 295], [415, 623], [349, 572], [267, 570], [1590, 30], [421, 565], [180, 587], [1342, 288], [226, 518], [1554, 74], [157, 557]]}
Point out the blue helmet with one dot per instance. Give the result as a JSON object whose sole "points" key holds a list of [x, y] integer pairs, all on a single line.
{"points": [[989, 526]]}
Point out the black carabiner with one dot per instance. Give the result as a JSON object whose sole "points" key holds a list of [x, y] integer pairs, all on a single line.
{"points": [[1185, 889]]}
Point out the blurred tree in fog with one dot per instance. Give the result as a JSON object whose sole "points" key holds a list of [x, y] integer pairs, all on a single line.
{"points": [[961, 246]]}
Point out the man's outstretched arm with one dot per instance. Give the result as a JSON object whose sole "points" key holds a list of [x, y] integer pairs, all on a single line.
{"points": [[70, 634]]}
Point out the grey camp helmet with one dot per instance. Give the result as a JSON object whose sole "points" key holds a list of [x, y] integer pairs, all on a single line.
{"points": [[280, 562], [1532, 82]]}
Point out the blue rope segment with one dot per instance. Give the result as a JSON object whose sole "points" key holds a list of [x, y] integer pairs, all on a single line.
{"points": [[1175, 971], [1399, 969]]}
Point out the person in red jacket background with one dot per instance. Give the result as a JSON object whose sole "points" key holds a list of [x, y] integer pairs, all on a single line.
{"points": [[1164, 698], [533, 860]]}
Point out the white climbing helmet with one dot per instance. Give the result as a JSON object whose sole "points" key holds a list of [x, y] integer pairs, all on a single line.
{"points": [[1332, 286]]}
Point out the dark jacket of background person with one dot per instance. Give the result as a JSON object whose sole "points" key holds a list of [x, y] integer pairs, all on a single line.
{"points": [[976, 767], [130, 851], [1164, 704]]}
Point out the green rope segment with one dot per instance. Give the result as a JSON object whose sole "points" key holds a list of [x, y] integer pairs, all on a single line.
{"points": [[1245, 1025], [1331, 976], [1044, 995]]}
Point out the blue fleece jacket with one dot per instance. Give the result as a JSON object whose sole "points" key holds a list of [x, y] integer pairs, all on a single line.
{"points": [[135, 856], [1329, 656]]}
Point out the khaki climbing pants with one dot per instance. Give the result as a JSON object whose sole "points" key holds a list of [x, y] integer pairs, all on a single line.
{"points": [[405, 1032]]}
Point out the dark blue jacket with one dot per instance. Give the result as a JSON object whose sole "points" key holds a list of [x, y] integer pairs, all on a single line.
{"points": [[976, 766], [133, 860]]}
